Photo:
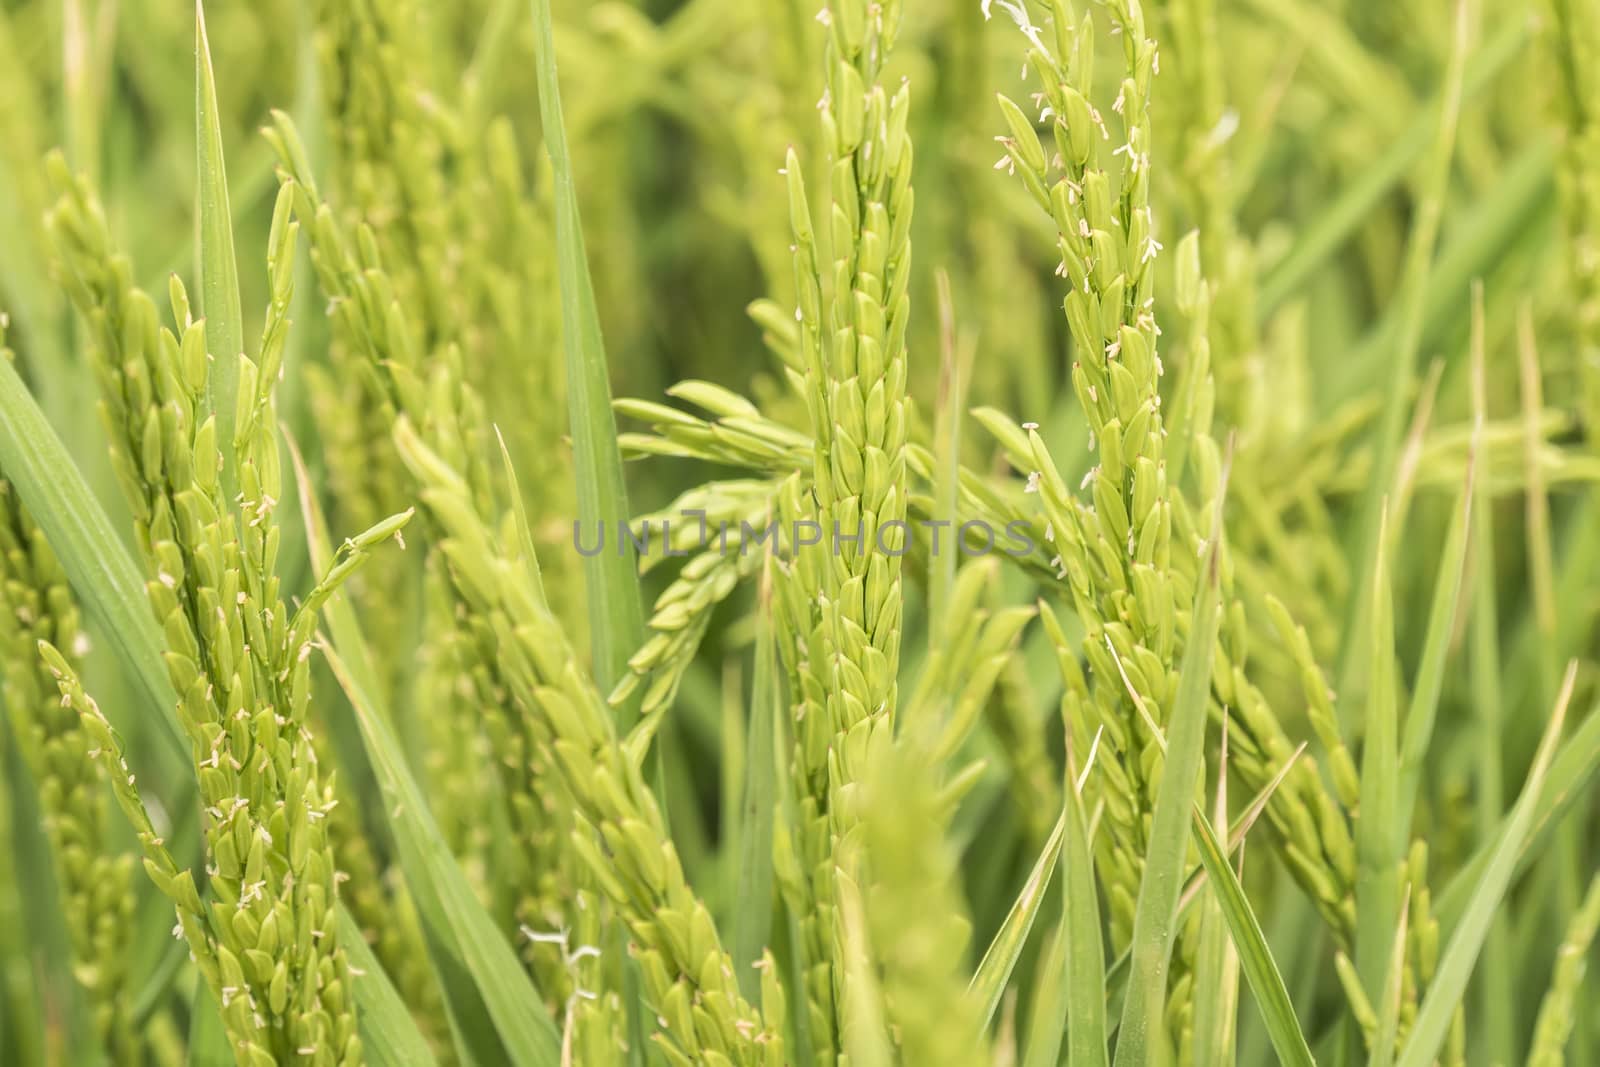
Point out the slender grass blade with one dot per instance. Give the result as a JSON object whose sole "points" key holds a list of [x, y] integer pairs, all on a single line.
{"points": [[1443, 997], [616, 612], [1379, 838], [1085, 975], [478, 969], [219, 270], [1000, 959], [208, 1042], [1255, 958], [1155, 913]]}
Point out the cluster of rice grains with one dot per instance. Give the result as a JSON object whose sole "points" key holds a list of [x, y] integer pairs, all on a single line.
{"points": [[266, 940]]}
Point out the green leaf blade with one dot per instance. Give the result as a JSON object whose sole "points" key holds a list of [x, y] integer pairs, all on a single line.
{"points": [[1154, 925], [1000, 958], [219, 270], [1460, 955], [616, 610], [1085, 964], [1255, 958], [1379, 838], [479, 972]]}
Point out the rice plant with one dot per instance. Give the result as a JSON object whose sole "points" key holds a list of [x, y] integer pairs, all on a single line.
{"points": [[1051, 533]]}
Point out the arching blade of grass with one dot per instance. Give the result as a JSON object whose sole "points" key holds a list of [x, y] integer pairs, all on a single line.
{"points": [[1000, 958], [478, 968], [389, 1033], [219, 271], [495, 1010], [1084, 979], [1255, 958], [107, 582], [1566, 785], [1444, 993], [616, 613], [1069, 981], [102, 572], [1047, 1002], [616, 609], [1155, 913]]}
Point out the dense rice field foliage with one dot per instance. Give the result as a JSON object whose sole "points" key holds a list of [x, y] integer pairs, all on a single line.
{"points": [[939, 533]]}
